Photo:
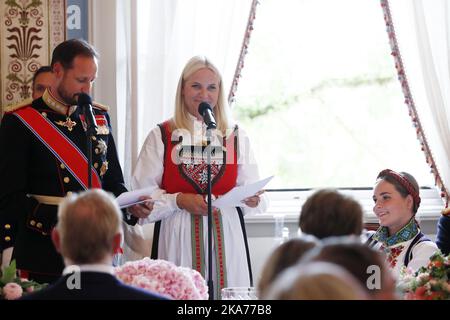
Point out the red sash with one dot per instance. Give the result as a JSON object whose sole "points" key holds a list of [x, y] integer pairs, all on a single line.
{"points": [[62, 147]]}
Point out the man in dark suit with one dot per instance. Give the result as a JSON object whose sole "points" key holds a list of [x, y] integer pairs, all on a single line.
{"points": [[43, 149], [443, 233], [88, 232]]}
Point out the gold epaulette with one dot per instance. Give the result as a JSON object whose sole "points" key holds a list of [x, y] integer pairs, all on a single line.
{"points": [[15, 107], [100, 106]]}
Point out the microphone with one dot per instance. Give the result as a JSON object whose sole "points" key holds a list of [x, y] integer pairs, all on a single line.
{"points": [[85, 103], [206, 112]]}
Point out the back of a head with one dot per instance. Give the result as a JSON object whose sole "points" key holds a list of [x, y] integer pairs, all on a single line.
{"points": [[359, 260], [283, 257], [315, 281], [328, 213], [66, 52], [87, 225]]}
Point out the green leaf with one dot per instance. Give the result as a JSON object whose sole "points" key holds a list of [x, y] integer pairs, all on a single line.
{"points": [[9, 272]]}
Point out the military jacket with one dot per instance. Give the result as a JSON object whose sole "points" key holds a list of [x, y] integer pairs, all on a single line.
{"points": [[28, 167]]}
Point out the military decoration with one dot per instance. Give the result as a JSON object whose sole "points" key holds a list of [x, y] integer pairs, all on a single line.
{"points": [[101, 147], [69, 124], [104, 168], [102, 124]]}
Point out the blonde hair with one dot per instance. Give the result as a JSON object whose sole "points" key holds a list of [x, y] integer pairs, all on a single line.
{"points": [[181, 118], [87, 224], [315, 281]]}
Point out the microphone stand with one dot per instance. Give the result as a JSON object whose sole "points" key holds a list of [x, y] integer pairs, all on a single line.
{"points": [[208, 165]]}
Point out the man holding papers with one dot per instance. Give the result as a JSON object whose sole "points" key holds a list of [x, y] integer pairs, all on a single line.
{"points": [[172, 163]]}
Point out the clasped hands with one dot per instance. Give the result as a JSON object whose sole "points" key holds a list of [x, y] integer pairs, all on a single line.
{"points": [[197, 204]]}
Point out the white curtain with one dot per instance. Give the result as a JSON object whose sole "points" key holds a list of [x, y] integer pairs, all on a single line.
{"points": [[422, 28], [155, 38]]}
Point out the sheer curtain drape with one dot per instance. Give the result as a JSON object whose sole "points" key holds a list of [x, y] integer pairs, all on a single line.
{"points": [[155, 38], [422, 28]]}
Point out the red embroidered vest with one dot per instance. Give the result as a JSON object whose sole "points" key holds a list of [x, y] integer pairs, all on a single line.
{"points": [[185, 169]]}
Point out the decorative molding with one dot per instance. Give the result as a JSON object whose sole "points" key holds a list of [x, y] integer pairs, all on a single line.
{"points": [[57, 19], [409, 101], [29, 30]]}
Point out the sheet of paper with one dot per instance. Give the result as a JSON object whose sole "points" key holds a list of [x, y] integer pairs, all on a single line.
{"points": [[234, 197], [130, 198]]}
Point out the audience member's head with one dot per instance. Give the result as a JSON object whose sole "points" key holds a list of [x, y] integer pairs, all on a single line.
{"points": [[315, 281], [328, 213], [367, 265], [89, 228], [43, 78], [284, 256]]}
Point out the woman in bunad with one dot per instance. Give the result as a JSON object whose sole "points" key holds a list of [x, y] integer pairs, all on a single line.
{"points": [[172, 163], [396, 197]]}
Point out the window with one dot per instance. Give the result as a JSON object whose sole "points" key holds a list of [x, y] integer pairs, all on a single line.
{"points": [[320, 99]]}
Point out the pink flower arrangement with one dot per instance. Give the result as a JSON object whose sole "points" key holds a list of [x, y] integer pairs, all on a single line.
{"points": [[12, 287], [12, 291], [164, 277], [428, 283]]}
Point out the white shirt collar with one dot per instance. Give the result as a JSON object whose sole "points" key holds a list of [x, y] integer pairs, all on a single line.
{"points": [[102, 268]]}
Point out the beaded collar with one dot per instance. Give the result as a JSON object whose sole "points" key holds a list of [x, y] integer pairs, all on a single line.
{"points": [[406, 233]]}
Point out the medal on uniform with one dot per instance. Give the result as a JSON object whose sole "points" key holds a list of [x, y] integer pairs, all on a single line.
{"points": [[104, 168], [102, 124], [69, 124], [101, 147]]}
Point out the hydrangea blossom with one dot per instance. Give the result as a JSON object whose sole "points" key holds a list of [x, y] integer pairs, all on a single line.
{"points": [[164, 277]]}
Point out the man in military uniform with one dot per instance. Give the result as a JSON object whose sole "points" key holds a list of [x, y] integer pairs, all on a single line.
{"points": [[43, 147]]}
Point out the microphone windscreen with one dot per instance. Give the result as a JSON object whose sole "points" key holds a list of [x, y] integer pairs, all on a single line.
{"points": [[202, 107], [84, 99]]}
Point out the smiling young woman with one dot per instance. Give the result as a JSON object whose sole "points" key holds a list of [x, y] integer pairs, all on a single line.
{"points": [[396, 197]]}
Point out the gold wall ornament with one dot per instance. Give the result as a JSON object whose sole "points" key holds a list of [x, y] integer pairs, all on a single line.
{"points": [[29, 31]]}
